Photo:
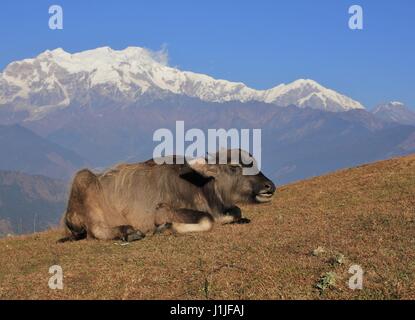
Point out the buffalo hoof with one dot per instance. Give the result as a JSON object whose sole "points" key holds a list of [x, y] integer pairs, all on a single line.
{"points": [[135, 236], [242, 221], [234, 212], [63, 240], [163, 227]]}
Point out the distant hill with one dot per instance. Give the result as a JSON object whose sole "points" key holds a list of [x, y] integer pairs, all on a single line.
{"points": [[23, 150], [29, 203], [299, 246], [395, 111], [296, 142]]}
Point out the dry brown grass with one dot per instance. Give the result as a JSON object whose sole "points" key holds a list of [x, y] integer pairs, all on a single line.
{"points": [[366, 214]]}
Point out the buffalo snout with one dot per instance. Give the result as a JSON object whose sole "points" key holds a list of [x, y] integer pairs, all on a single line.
{"points": [[264, 189]]}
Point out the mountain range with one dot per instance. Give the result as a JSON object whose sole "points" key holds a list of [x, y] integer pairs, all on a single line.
{"points": [[56, 79], [23, 150], [101, 106]]}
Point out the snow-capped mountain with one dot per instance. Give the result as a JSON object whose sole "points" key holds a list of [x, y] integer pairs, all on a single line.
{"points": [[104, 106], [55, 79], [395, 112], [305, 93]]}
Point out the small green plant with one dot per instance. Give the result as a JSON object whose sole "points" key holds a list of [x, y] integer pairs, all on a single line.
{"points": [[326, 281], [338, 259], [206, 288]]}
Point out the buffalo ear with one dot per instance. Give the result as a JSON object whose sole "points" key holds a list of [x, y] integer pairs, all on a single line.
{"points": [[201, 166]]}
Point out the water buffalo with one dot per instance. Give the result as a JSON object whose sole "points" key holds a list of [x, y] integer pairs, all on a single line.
{"points": [[130, 200]]}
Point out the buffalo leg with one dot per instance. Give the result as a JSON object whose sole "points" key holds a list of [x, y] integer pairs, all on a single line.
{"points": [[232, 215], [163, 227], [182, 220], [127, 233], [124, 232], [72, 237]]}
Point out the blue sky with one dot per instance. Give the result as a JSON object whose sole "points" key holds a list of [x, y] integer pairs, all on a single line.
{"points": [[261, 43]]}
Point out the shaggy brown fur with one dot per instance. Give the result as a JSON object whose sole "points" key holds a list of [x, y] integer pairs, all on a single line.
{"points": [[130, 200]]}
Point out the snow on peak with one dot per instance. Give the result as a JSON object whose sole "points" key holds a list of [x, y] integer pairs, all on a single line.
{"points": [[305, 82], [388, 106], [56, 77], [308, 93], [395, 111]]}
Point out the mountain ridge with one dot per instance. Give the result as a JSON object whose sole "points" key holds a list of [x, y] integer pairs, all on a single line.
{"points": [[30, 202], [395, 111], [25, 151], [77, 101], [54, 78]]}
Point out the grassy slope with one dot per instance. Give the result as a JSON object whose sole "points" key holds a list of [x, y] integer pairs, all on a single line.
{"points": [[365, 213]]}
